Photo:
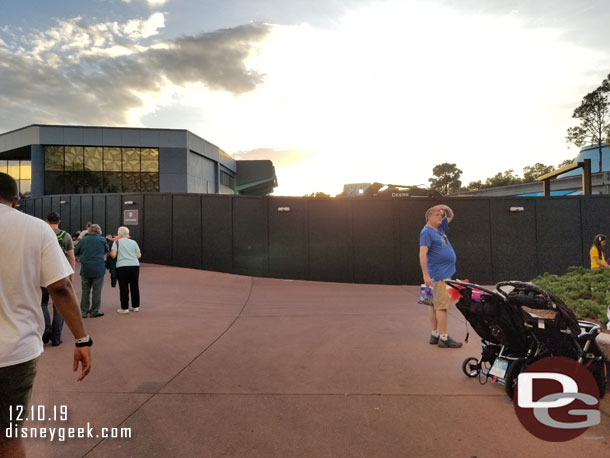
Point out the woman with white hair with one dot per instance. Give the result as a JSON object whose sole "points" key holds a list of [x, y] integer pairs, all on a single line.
{"points": [[127, 252]]}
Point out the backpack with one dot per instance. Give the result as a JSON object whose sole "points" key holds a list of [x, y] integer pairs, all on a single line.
{"points": [[60, 238]]}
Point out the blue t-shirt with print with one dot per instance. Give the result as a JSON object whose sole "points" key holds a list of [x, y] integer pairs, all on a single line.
{"points": [[441, 257]]}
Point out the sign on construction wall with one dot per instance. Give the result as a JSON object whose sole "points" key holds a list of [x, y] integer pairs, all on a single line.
{"points": [[130, 217]]}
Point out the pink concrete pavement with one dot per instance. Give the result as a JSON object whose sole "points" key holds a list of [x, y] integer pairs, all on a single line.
{"points": [[219, 365]]}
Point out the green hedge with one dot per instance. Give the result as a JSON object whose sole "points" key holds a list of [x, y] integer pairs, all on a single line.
{"points": [[585, 291]]}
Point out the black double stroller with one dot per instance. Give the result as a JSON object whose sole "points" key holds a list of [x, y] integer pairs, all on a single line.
{"points": [[520, 323]]}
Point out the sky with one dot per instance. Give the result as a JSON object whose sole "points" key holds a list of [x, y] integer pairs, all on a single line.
{"points": [[332, 91]]}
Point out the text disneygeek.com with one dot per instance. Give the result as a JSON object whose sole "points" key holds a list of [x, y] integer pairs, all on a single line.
{"points": [[20, 416]]}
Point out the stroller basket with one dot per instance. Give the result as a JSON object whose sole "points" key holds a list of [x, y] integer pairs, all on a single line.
{"points": [[552, 323]]}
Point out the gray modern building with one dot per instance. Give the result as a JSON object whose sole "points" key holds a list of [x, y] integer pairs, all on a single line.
{"points": [[53, 159]]}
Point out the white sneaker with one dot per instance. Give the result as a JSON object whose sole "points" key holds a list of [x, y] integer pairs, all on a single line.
{"points": [[122, 311], [135, 309]]}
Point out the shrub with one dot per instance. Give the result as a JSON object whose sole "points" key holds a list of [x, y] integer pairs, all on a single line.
{"points": [[585, 291]]}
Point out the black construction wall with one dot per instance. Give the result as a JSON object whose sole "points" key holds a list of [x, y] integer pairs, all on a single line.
{"points": [[514, 249], [470, 235], [330, 240], [559, 233], [343, 240], [373, 241], [287, 236], [411, 219], [595, 214], [75, 215], [217, 233], [158, 236], [186, 240], [114, 217], [86, 210], [250, 236]]}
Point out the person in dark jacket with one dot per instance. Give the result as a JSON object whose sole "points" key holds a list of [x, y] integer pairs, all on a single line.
{"points": [[111, 262], [91, 251]]}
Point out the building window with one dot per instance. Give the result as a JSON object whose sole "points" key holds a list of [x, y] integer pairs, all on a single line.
{"points": [[150, 160], [227, 180], [131, 182], [149, 182], [131, 160], [96, 169], [112, 159], [54, 158], [74, 159], [93, 159], [21, 171]]}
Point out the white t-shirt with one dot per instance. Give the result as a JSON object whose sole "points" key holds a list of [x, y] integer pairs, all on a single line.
{"points": [[30, 257]]}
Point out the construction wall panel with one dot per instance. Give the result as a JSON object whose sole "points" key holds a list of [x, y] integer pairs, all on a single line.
{"points": [[186, 231], [288, 237], [330, 240], [158, 229], [250, 236], [217, 233]]}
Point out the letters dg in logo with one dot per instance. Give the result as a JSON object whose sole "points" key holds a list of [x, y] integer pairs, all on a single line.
{"points": [[557, 399]]}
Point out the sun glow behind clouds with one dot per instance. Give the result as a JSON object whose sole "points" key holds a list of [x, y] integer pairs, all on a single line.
{"points": [[396, 88]]}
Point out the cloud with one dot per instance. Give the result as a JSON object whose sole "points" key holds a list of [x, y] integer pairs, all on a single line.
{"points": [[83, 73], [136, 29], [156, 3], [217, 58], [74, 38], [151, 3]]}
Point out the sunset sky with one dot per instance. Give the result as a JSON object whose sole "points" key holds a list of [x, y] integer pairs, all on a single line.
{"points": [[333, 91]]}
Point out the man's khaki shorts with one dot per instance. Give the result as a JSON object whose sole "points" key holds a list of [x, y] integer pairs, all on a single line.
{"points": [[15, 389], [440, 295]]}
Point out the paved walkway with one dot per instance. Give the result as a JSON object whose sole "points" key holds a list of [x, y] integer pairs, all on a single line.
{"points": [[219, 365]]}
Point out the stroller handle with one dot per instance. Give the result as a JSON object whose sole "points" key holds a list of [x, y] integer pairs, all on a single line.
{"points": [[456, 283], [523, 284]]}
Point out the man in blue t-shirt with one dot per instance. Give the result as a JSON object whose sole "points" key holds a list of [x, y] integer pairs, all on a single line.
{"points": [[437, 261]]}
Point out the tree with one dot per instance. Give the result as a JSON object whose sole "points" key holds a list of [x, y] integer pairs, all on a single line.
{"points": [[502, 179], [317, 194], [594, 116], [447, 178], [566, 162], [474, 185], [530, 173]]}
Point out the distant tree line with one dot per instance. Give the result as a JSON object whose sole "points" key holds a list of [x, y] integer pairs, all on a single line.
{"points": [[593, 115], [317, 194], [446, 177]]}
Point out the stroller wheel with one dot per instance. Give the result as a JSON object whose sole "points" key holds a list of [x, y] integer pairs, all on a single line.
{"points": [[598, 369], [510, 381], [471, 367]]}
